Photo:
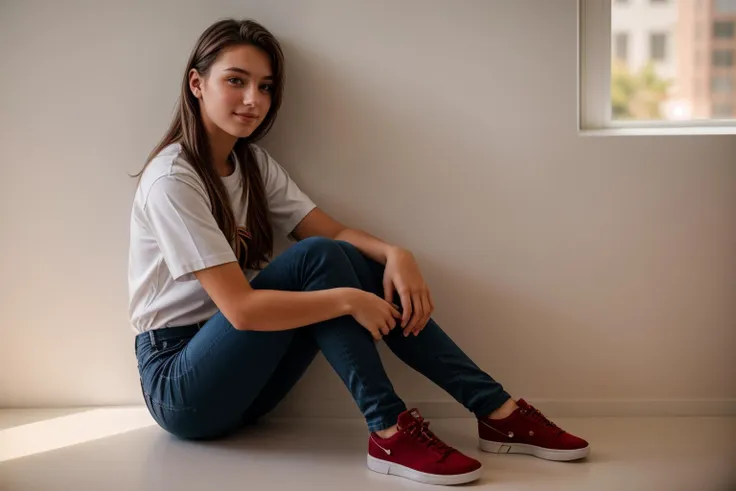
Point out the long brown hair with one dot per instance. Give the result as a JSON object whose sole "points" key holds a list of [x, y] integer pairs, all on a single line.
{"points": [[254, 245]]}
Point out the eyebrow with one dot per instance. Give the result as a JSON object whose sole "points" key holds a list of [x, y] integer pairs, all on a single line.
{"points": [[245, 72]]}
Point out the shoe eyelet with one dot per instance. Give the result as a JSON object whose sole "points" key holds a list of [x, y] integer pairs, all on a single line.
{"points": [[531, 433], [511, 434]]}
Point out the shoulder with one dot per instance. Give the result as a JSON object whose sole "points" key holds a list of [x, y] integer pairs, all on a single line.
{"points": [[169, 162], [167, 172]]}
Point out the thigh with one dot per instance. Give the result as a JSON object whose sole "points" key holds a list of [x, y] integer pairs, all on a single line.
{"points": [[201, 387], [213, 378], [291, 368]]}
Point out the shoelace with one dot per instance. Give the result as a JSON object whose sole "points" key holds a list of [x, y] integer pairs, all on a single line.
{"points": [[537, 415], [420, 430]]}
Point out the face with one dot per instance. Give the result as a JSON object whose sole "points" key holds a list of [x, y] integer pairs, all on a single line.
{"points": [[235, 95]]}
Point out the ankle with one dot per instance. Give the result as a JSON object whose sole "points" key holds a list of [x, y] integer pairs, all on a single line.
{"points": [[388, 432], [505, 410]]}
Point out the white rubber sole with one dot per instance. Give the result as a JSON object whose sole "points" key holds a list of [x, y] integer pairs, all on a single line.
{"points": [[392, 469], [542, 453]]}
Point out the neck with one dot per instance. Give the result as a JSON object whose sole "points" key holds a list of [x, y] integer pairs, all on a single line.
{"points": [[221, 146]]}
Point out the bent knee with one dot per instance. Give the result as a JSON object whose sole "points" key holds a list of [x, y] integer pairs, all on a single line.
{"points": [[317, 243], [322, 247], [325, 245]]}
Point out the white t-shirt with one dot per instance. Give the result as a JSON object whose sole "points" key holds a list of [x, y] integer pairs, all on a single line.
{"points": [[173, 233]]}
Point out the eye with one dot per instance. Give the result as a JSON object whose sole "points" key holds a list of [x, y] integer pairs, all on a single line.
{"points": [[267, 88], [235, 81]]}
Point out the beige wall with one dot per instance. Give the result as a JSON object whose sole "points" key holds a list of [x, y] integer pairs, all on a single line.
{"points": [[575, 270]]}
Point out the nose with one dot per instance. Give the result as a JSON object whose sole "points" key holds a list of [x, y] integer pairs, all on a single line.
{"points": [[251, 95]]}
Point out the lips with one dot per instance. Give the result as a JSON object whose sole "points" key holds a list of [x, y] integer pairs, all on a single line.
{"points": [[246, 117]]}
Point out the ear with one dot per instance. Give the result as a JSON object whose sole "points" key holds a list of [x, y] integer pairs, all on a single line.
{"points": [[195, 83]]}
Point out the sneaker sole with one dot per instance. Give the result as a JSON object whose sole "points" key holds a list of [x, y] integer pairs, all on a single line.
{"points": [[394, 469], [542, 453]]}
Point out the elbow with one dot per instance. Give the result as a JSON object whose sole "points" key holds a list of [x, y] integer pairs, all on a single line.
{"points": [[241, 321], [241, 326], [245, 317]]}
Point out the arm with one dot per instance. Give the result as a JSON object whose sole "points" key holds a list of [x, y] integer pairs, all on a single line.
{"points": [[319, 223], [401, 274], [275, 310], [270, 310]]}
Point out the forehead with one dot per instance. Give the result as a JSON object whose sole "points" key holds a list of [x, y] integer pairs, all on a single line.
{"points": [[248, 58]]}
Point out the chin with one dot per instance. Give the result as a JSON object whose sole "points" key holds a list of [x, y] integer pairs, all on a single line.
{"points": [[239, 131]]}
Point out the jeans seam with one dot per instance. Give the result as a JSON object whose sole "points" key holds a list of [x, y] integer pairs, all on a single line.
{"points": [[351, 359], [160, 404], [383, 422]]}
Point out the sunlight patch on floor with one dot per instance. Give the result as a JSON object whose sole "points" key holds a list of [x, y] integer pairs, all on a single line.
{"points": [[63, 431]]}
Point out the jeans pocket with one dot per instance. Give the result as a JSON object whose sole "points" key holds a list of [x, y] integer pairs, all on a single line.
{"points": [[152, 356], [159, 374], [170, 346]]}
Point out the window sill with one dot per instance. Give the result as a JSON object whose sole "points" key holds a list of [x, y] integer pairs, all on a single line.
{"points": [[661, 131]]}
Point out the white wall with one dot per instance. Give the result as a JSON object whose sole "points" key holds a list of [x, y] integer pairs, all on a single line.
{"points": [[572, 269]]}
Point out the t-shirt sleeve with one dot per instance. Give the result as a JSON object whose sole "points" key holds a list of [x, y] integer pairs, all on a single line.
{"points": [[287, 204], [187, 233]]}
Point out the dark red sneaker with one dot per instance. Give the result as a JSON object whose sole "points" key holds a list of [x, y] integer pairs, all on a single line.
{"points": [[416, 453], [528, 431]]}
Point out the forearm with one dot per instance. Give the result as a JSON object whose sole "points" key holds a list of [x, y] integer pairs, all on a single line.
{"points": [[366, 243], [276, 310]]}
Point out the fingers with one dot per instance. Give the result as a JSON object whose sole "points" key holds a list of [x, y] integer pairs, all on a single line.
{"points": [[422, 306], [393, 315], [417, 309], [406, 305], [386, 327], [418, 314], [388, 290], [427, 312], [389, 322], [395, 312]]}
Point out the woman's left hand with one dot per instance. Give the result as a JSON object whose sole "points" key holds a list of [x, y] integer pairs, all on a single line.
{"points": [[402, 275]]}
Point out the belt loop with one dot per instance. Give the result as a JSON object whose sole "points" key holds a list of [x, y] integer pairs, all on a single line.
{"points": [[152, 338]]}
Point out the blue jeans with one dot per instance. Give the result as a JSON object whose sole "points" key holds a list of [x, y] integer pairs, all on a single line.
{"points": [[221, 379]]}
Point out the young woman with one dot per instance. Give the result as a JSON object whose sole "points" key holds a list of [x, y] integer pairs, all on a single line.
{"points": [[224, 332]]}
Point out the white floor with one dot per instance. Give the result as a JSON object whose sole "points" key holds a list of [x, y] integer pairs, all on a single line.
{"points": [[121, 449]]}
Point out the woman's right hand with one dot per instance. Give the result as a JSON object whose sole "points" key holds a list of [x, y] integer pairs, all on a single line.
{"points": [[372, 312]]}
